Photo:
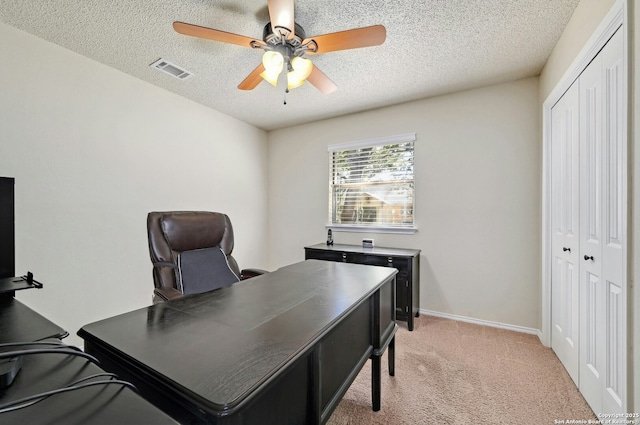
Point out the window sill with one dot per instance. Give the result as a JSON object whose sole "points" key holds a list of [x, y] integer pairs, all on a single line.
{"points": [[372, 229]]}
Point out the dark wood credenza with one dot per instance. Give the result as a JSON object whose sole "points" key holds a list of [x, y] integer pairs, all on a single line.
{"points": [[407, 261]]}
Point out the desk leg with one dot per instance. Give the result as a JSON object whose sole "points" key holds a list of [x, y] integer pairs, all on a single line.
{"points": [[391, 353], [375, 382], [376, 377]]}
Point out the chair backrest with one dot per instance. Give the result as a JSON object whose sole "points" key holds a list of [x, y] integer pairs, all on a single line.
{"points": [[187, 245]]}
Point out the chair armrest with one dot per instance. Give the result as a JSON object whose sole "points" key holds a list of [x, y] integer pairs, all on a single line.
{"points": [[249, 273], [165, 294]]}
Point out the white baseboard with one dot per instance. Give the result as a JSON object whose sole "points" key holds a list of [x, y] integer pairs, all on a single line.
{"points": [[515, 328]]}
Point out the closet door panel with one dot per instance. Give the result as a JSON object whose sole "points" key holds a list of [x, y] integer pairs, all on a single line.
{"points": [[602, 376], [614, 152], [614, 222], [565, 225], [615, 379], [592, 291]]}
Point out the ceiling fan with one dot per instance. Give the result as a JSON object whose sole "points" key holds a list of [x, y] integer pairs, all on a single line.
{"points": [[285, 45]]}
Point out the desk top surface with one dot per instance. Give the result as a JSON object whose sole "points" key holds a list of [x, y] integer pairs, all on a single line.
{"points": [[19, 323], [109, 404], [96, 405], [220, 346]]}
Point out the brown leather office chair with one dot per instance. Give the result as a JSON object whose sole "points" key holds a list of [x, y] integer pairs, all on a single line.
{"points": [[191, 252]]}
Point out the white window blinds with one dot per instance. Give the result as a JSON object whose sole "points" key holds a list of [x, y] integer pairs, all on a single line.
{"points": [[371, 183]]}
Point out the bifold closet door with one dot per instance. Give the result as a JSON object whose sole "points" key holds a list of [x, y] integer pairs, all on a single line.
{"points": [[565, 229], [588, 172], [614, 175], [602, 321]]}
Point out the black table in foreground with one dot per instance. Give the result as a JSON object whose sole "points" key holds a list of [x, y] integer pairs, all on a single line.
{"points": [[104, 403], [281, 348], [19, 323]]}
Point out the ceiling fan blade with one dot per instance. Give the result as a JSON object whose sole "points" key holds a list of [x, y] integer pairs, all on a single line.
{"points": [[321, 81], [281, 14], [350, 39], [217, 35], [252, 81]]}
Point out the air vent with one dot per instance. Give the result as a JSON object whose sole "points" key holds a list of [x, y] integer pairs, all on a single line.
{"points": [[171, 69]]}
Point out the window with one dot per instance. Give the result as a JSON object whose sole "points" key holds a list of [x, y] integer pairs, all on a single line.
{"points": [[371, 184]]}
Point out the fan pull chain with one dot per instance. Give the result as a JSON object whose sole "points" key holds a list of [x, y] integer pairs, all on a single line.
{"points": [[285, 95]]}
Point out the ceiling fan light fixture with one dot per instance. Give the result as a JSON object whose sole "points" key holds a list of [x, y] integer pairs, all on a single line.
{"points": [[273, 63], [293, 81], [271, 77], [301, 69]]}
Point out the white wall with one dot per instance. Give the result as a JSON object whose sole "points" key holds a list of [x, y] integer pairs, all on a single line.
{"points": [[93, 151], [477, 170]]}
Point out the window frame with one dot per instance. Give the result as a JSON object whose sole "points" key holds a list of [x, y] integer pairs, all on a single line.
{"points": [[365, 228]]}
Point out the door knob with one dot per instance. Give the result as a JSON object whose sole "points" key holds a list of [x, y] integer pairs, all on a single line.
{"points": [[588, 257], [566, 249]]}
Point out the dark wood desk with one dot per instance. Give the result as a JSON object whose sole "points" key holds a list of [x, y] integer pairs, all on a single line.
{"points": [[104, 404], [108, 404], [19, 323], [281, 348]]}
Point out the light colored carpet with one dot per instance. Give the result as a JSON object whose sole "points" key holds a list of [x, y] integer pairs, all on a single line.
{"points": [[450, 372]]}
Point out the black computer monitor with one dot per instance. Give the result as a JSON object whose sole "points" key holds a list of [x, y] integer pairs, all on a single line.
{"points": [[7, 227]]}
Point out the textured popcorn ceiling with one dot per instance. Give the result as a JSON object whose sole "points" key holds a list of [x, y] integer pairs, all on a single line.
{"points": [[433, 47]]}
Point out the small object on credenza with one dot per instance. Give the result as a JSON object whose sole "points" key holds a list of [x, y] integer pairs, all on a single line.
{"points": [[329, 237], [367, 243]]}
